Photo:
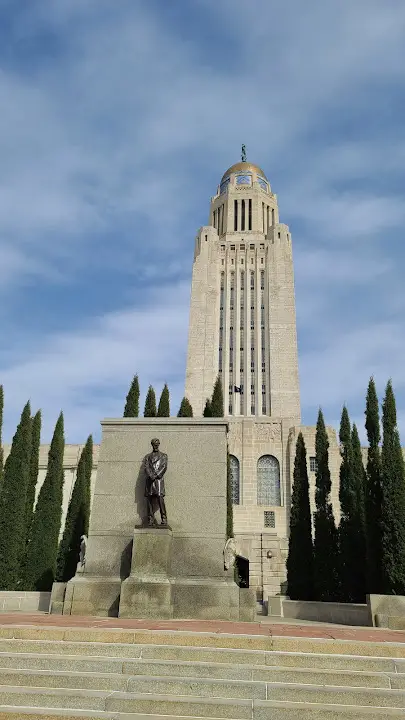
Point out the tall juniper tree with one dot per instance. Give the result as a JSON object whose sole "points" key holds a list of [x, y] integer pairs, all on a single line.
{"points": [[42, 550], [207, 408], [185, 409], [12, 503], [164, 403], [77, 518], [351, 529], [373, 492], [347, 498], [393, 500], [300, 560], [150, 403], [326, 580], [217, 400], [88, 449], [360, 579], [34, 469], [132, 401]]}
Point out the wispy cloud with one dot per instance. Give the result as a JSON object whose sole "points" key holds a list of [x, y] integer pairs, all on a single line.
{"points": [[118, 119]]}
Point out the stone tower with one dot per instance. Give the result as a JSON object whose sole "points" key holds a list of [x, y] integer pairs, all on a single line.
{"points": [[242, 313]]}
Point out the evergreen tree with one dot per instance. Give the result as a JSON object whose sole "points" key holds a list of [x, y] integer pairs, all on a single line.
{"points": [[34, 468], [132, 401], [351, 528], [207, 409], [164, 403], [393, 501], [300, 560], [1, 434], [77, 518], [360, 579], [217, 400], [185, 409], [150, 403], [40, 565], [347, 509], [326, 583], [88, 450], [373, 492], [12, 503]]}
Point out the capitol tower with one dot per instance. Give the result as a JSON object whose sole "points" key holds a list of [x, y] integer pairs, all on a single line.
{"points": [[242, 315]]}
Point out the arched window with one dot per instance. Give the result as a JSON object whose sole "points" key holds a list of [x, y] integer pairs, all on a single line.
{"points": [[235, 479], [268, 481]]}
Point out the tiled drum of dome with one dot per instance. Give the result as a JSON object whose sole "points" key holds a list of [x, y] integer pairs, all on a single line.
{"points": [[243, 179], [224, 185]]}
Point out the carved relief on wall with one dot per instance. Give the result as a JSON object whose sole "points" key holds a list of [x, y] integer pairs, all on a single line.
{"points": [[268, 431]]}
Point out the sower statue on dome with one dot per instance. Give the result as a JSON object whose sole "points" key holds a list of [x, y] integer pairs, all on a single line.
{"points": [[155, 469]]}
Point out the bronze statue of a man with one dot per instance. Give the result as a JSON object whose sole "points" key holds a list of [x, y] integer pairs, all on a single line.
{"points": [[155, 468]]}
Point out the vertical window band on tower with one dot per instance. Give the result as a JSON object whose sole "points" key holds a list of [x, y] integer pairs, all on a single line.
{"points": [[235, 220], [250, 214], [231, 339], [221, 320], [263, 340], [252, 343], [222, 220], [242, 219]]}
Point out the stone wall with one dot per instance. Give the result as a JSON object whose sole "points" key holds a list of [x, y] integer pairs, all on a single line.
{"points": [[24, 602]]}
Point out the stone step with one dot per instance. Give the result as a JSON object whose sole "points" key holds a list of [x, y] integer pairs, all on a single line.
{"points": [[261, 710], [35, 669], [123, 706], [128, 652], [216, 640], [94, 693]]}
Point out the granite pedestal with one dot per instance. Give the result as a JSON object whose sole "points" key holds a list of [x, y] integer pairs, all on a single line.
{"points": [[159, 572]]}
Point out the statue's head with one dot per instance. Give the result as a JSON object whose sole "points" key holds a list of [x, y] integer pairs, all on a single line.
{"points": [[155, 444]]}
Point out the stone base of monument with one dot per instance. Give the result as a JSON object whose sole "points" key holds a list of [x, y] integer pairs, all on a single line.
{"points": [[152, 591], [92, 596], [159, 572], [147, 591]]}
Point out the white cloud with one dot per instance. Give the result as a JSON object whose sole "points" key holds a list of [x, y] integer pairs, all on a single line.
{"points": [[87, 372], [128, 132]]}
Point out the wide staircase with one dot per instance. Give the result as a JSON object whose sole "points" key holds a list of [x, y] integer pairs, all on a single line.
{"points": [[50, 673]]}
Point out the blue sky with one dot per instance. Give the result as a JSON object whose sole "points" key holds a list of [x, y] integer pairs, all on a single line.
{"points": [[118, 119]]}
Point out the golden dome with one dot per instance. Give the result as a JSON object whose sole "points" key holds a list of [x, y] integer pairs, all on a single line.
{"points": [[244, 167]]}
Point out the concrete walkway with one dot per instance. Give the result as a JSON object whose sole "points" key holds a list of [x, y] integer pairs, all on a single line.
{"points": [[261, 627]]}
